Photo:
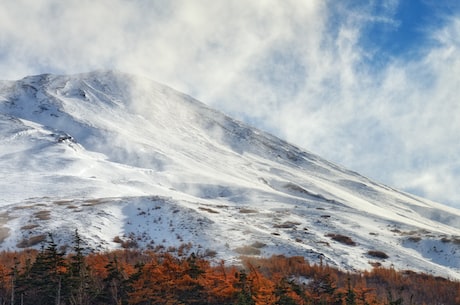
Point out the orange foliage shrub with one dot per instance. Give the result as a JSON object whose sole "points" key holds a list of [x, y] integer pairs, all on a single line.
{"points": [[155, 277]]}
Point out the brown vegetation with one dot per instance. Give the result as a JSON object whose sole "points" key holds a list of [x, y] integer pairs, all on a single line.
{"points": [[414, 239], [286, 225], [248, 211], [247, 250], [43, 215], [31, 241], [29, 227], [208, 210], [377, 254], [135, 277], [342, 239]]}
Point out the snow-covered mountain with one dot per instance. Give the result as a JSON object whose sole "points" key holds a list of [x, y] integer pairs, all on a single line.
{"points": [[130, 162]]}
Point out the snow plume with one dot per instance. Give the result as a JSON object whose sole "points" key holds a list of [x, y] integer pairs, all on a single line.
{"points": [[118, 155], [303, 70]]}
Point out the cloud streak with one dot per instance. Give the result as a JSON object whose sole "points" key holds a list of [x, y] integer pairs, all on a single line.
{"points": [[298, 69]]}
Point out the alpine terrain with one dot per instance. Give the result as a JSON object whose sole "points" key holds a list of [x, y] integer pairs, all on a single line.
{"points": [[132, 163]]}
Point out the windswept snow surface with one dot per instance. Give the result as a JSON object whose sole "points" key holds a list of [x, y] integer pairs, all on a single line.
{"points": [[123, 158]]}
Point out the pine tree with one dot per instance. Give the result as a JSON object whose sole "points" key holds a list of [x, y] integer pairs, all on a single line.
{"points": [[350, 297], [116, 284], [289, 293], [81, 287], [44, 282], [244, 296], [188, 286]]}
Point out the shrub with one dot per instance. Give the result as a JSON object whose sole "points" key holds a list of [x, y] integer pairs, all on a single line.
{"points": [[341, 239], [29, 227], [248, 211], [286, 225], [414, 239], [210, 253], [43, 215], [247, 250], [208, 210], [378, 254], [31, 241], [258, 245]]}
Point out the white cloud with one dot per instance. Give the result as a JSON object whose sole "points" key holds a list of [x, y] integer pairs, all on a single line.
{"points": [[295, 68]]}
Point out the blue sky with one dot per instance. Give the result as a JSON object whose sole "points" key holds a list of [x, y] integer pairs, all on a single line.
{"points": [[371, 85], [412, 23]]}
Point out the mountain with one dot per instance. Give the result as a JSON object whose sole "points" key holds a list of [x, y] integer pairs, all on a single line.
{"points": [[132, 163]]}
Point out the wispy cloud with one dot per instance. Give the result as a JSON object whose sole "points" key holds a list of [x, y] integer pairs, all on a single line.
{"points": [[296, 68]]}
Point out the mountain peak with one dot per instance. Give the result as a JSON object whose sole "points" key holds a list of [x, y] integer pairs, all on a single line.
{"points": [[116, 155]]}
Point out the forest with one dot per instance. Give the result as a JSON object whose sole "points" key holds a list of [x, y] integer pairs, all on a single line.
{"points": [[77, 276]]}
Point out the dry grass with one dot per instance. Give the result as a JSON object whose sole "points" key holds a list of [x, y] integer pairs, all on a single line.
{"points": [[342, 239], [4, 233], [455, 240], [93, 202], [208, 210], [375, 264], [377, 254], [258, 245], [210, 253], [29, 227], [248, 211], [414, 239], [43, 215], [129, 243], [247, 250], [4, 218], [23, 207], [31, 241], [287, 225], [63, 202]]}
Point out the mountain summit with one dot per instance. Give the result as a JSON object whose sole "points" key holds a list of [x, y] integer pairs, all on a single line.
{"points": [[129, 162]]}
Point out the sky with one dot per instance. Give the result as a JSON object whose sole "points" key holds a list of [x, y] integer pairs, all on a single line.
{"points": [[371, 85]]}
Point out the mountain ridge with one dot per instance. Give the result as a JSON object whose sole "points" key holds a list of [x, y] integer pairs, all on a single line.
{"points": [[117, 155]]}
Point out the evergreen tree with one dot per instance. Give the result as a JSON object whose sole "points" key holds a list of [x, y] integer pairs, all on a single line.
{"points": [[44, 282], [82, 290], [350, 298], [188, 287], [116, 284], [391, 301], [283, 290], [244, 296]]}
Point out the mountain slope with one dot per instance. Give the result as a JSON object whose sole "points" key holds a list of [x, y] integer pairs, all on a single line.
{"points": [[123, 158]]}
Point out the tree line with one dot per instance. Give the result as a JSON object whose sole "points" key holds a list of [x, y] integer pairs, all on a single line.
{"points": [[176, 276]]}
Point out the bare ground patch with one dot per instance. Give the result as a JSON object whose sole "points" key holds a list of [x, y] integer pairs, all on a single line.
{"points": [[208, 210], [29, 227], [247, 250], [248, 211], [43, 215], [31, 241], [4, 232], [341, 239]]}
